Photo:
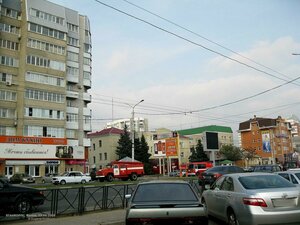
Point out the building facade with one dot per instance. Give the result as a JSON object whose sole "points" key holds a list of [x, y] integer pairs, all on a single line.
{"points": [[45, 75], [224, 137], [140, 124], [103, 147], [270, 139]]}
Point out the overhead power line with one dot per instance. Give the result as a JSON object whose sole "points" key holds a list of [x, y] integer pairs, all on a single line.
{"points": [[193, 42], [205, 38]]}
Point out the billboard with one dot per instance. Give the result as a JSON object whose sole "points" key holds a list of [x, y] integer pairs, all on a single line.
{"points": [[19, 147], [211, 141], [171, 147], [266, 141], [160, 148], [165, 147]]}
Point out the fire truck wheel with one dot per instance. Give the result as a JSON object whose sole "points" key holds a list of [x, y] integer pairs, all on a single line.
{"points": [[133, 177], [110, 178]]}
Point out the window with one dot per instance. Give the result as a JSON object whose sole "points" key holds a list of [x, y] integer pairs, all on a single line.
{"points": [[72, 56], [8, 95], [100, 156], [45, 46], [72, 117], [73, 41], [100, 143], [32, 170], [94, 159], [44, 96], [9, 44], [9, 61], [9, 12], [44, 62], [46, 16], [45, 79], [9, 28], [39, 131], [86, 61], [105, 156], [94, 147], [7, 113], [72, 27], [46, 31]]}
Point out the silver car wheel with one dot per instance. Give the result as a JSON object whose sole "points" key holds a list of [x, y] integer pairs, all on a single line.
{"points": [[205, 207], [232, 220]]}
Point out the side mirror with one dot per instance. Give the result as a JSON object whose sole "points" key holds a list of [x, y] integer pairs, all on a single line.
{"points": [[128, 196]]}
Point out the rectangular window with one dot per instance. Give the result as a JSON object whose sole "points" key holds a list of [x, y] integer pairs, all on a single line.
{"points": [[105, 156], [100, 143]]}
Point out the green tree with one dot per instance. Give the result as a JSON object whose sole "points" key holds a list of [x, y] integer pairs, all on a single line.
{"points": [[124, 144], [231, 152], [141, 153], [198, 154]]}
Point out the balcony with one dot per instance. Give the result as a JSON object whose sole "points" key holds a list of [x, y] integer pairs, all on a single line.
{"points": [[87, 127], [72, 125], [73, 110], [87, 97], [87, 112], [72, 94], [72, 78], [86, 142], [87, 83]]}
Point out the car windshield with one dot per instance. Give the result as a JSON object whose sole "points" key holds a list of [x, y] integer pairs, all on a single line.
{"points": [[264, 182], [164, 192]]}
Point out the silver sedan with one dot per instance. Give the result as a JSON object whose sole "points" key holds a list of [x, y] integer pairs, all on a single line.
{"points": [[165, 202], [253, 199]]}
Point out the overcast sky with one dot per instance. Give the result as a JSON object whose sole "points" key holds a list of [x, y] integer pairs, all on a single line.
{"points": [[194, 62]]}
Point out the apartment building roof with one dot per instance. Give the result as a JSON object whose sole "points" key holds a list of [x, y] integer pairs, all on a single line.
{"points": [[107, 131], [199, 130], [262, 122]]}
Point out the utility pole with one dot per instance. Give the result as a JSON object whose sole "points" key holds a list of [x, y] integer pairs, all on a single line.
{"points": [[132, 128]]}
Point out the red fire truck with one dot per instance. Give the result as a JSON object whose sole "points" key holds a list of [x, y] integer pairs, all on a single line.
{"points": [[196, 168], [121, 169]]}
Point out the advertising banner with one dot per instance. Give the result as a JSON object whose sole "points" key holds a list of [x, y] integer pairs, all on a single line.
{"points": [[36, 151], [160, 148], [266, 141], [171, 147]]}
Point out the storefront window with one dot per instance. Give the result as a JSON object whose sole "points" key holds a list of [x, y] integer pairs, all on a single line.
{"points": [[33, 170], [51, 169]]}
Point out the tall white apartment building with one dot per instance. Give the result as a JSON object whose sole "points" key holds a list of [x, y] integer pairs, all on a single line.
{"points": [[45, 76], [140, 124]]}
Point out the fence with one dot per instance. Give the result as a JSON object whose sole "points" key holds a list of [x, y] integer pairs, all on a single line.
{"points": [[87, 198]]}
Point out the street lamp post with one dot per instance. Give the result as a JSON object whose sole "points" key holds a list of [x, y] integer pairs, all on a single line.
{"points": [[133, 129]]}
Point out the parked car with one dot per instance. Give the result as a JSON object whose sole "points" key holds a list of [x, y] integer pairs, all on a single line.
{"points": [[165, 202], [18, 199], [267, 168], [71, 177], [253, 198], [291, 175], [208, 177], [21, 178], [4, 178], [48, 177]]}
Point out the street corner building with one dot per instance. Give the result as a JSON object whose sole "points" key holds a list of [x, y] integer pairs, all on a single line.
{"points": [[45, 76]]}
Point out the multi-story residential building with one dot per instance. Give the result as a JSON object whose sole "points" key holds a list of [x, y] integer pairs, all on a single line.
{"points": [[103, 147], [45, 75], [140, 124], [270, 139]]}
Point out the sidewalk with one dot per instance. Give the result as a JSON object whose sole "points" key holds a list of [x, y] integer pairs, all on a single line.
{"points": [[107, 217]]}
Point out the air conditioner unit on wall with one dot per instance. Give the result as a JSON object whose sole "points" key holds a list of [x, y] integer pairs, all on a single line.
{"points": [[8, 82]]}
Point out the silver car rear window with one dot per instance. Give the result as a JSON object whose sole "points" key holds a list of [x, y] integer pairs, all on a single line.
{"points": [[264, 181], [164, 192]]}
